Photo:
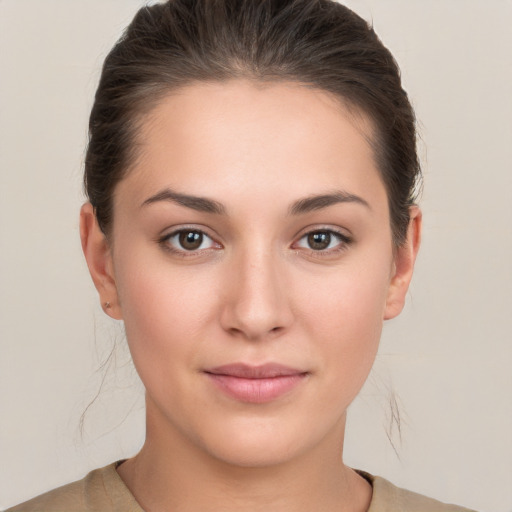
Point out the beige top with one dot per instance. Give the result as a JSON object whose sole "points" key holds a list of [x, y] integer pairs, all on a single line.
{"points": [[103, 490]]}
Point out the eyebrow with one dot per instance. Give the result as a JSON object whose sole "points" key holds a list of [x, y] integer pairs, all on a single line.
{"points": [[318, 202], [305, 205], [200, 204]]}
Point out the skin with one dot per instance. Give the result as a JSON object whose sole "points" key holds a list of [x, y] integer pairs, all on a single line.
{"points": [[254, 292]]}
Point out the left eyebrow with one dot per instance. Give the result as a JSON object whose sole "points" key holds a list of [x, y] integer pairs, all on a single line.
{"points": [[317, 202]]}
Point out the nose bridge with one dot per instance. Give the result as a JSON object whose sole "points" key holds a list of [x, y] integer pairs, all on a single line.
{"points": [[258, 303]]}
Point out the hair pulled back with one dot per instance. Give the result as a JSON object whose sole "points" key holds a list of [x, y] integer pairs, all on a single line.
{"points": [[319, 43]]}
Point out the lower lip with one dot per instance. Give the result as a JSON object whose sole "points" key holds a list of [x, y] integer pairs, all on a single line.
{"points": [[256, 391]]}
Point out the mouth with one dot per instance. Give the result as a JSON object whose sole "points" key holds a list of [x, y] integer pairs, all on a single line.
{"points": [[255, 384]]}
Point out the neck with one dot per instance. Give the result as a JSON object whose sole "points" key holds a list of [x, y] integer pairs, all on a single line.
{"points": [[172, 473]]}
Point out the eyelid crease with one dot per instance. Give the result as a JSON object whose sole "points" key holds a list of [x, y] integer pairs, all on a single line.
{"points": [[344, 242], [343, 232], [164, 242], [178, 228], [344, 238]]}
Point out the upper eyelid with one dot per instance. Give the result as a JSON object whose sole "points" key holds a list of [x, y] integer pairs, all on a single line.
{"points": [[344, 240], [165, 242], [169, 232], [174, 230], [342, 237], [343, 244], [342, 232], [166, 236], [178, 231]]}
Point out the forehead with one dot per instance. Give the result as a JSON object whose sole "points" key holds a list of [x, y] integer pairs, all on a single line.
{"points": [[241, 135]]}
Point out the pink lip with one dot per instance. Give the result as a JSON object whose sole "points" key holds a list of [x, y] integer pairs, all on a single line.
{"points": [[255, 384]]}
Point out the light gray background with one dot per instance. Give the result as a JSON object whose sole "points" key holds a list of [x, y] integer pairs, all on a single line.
{"points": [[448, 357]]}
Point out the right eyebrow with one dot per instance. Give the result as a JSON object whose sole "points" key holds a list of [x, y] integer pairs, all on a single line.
{"points": [[201, 204]]}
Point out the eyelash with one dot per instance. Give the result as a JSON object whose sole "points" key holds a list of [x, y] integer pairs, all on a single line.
{"points": [[343, 242], [184, 253]]}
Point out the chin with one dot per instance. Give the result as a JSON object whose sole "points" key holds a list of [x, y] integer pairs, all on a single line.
{"points": [[258, 443], [256, 451]]}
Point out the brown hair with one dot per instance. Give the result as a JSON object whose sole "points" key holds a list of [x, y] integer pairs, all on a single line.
{"points": [[316, 42]]}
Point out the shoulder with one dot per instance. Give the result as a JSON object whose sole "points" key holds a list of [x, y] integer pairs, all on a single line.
{"points": [[389, 498], [102, 489]]}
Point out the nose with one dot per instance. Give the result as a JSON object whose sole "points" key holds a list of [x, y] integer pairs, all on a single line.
{"points": [[256, 301]]}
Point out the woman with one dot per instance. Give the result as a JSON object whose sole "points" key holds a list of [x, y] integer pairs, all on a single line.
{"points": [[251, 218]]}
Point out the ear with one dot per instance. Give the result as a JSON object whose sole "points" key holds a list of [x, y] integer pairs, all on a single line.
{"points": [[99, 260], [403, 266]]}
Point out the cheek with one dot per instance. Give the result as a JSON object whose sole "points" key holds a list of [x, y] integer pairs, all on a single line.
{"points": [[165, 314], [344, 313], [349, 299]]}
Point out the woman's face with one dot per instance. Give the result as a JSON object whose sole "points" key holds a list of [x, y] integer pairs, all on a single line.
{"points": [[252, 264]]}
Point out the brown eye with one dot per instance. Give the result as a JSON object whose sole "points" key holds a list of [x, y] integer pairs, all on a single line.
{"points": [[319, 240], [190, 240], [326, 242]]}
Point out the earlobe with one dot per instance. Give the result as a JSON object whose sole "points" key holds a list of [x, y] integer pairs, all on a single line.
{"points": [[403, 266], [99, 260]]}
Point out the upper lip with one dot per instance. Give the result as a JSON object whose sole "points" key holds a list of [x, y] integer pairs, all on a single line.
{"points": [[246, 371]]}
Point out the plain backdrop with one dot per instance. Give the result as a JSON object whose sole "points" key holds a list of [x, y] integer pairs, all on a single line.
{"points": [[447, 359]]}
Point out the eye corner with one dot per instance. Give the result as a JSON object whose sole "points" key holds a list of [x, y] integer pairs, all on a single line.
{"points": [[323, 242], [188, 241]]}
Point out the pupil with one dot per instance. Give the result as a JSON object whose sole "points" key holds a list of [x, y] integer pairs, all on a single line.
{"points": [[191, 240], [319, 240]]}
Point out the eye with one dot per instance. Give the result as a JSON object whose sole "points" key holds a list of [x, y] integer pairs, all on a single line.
{"points": [[323, 240], [188, 240]]}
